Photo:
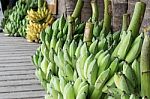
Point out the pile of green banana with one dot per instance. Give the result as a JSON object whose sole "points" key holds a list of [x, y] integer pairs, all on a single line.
{"points": [[78, 60], [14, 22]]}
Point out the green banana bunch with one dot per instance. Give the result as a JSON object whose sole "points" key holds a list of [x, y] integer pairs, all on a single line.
{"points": [[123, 83], [93, 49], [136, 68], [68, 92], [133, 96], [87, 64], [104, 63], [99, 84], [135, 49], [124, 46], [92, 72], [130, 74]]}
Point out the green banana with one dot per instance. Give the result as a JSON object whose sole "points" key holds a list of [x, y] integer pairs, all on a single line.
{"points": [[115, 92], [104, 64], [60, 56], [68, 92], [54, 93], [42, 36], [80, 65], [109, 83], [114, 67], [55, 25], [133, 96], [47, 96], [96, 30], [66, 46], [68, 71], [121, 82], [84, 50], [62, 22], [136, 68], [35, 60], [130, 74], [60, 96], [53, 42], [101, 56], [87, 63], [57, 61], [56, 83], [98, 54], [115, 52], [135, 49], [83, 89], [81, 96], [77, 53], [40, 74], [124, 46], [116, 35], [99, 84], [50, 70], [92, 72], [67, 57], [94, 47], [80, 28], [44, 65], [59, 45], [75, 75], [72, 48], [51, 55], [43, 48], [63, 83], [124, 96], [76, 85], [65, 29], [46, 54], [102, 44], [47, 40]]}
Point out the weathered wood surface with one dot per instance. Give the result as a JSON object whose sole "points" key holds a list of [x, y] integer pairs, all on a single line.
{"points": [[17, 78]]}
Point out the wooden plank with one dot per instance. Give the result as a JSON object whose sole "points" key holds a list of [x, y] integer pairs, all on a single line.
{"points": [[15, 65], [17, 73], [21, 95], [17, 68], [2, 73], [19, 77], [20, 82], [23, 88]]}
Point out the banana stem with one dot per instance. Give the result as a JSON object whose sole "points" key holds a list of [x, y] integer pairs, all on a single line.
{"points": [[88, 32], [107, 17], [95, 13], [145, 66], [71, 28], [77, 11], [137, 18], [40, 3], [125, 22]]}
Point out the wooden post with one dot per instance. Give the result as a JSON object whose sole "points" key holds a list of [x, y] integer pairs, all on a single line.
{"points": [[119, 8]]}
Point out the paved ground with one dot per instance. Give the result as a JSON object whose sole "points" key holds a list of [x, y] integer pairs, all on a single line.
{"points": [[17, 79]]}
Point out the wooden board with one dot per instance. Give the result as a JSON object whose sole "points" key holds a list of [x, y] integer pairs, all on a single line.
{"points": [[17, 73]]}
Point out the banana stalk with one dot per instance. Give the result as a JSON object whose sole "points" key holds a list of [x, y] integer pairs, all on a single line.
{"points": [[95, 14], [125, 23], [40, 3], [137, 18], [77, 11], [88, 32], [107, 17], [71, 28], [145, 66]]}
